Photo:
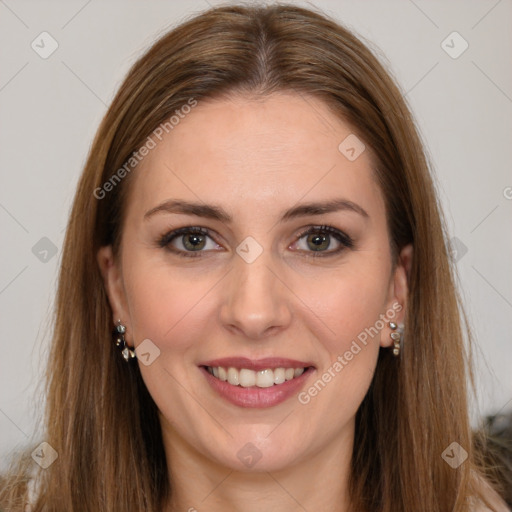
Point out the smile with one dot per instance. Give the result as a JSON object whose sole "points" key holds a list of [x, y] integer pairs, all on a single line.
{"points": [[247, 378], [258, 383]]}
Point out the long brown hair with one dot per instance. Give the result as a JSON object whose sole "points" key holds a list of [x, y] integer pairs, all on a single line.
{"points": [[100, 417]]}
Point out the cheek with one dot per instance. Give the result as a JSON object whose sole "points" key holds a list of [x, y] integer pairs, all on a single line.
{"points": [[352, 312], [161, 301], [349, 302], [168, 308]]}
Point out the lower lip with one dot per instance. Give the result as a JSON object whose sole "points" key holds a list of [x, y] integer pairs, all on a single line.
{"points": [[255, 397]]}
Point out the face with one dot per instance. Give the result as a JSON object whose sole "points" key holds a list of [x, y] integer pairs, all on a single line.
{"points": [[258, 285]]}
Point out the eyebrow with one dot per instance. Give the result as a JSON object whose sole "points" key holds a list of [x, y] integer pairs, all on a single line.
{"points": [[218, 213]]}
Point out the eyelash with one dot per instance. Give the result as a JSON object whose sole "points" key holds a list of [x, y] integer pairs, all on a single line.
{"points": [[345, 240]]}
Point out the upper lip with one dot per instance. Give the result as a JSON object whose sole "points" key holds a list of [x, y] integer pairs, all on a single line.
{"points": [[256, 364]]}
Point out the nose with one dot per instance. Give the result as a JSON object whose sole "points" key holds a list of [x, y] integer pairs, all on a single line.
{"points": [[256, 300]]}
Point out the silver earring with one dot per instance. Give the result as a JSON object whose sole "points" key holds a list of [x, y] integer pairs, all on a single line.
{"points": [[396, 336], [120, 342]]}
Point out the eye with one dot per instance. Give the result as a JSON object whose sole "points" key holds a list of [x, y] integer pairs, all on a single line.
{"points": [[186, 241], [318, 239]]}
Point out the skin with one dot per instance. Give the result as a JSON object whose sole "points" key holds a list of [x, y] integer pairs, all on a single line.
{"points": [[255, 159]]}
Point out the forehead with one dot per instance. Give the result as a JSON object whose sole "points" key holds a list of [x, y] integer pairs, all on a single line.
{"points": [[255, 153]]}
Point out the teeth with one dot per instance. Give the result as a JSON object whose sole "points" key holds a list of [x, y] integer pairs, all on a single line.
{"points": [[249, 378], [264, 378], [233, 376], [279, 375], [223, 374], [298, 372]]}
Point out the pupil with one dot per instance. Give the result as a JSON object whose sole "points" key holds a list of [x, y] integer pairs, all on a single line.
{"points": [[193, 241], [319, 241]]}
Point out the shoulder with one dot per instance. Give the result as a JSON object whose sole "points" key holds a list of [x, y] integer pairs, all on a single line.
{"points": [[481, 507], [490, 496]]}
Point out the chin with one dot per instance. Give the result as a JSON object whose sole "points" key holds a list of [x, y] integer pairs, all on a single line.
{"points": [[260, 453]]}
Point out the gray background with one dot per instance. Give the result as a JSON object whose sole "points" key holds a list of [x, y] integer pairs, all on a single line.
{"points": [[50, 109]]}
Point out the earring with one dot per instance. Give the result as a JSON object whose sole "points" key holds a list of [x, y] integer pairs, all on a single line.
{"points": [[120, 342], [396, 336]]}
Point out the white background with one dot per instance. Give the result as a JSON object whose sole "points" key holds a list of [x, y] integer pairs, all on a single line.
{"points": [[50, 109]]}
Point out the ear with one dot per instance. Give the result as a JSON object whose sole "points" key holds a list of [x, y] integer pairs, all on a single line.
{"points": [[114, 287], [398, 293]]}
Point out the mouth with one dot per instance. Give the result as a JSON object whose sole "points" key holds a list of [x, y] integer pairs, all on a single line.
{"points": [[246, 378], [257, 383]]}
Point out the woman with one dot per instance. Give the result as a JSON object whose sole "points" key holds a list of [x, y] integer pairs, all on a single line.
{"points": [[256, 307]]}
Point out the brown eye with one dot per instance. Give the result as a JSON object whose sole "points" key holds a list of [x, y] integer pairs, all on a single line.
{"points": [[318, 242], [319, 239], [193, 241], [186, 241]]}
